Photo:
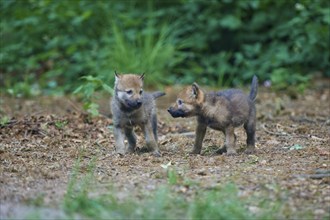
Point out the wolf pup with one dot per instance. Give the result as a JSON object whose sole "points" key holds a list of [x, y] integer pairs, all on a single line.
{"points": [[222, 110], [130, 107]]}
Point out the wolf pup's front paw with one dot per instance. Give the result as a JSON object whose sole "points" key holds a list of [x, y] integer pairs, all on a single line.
{"points": [[195, 151], [250, 150], [130, 150], [156, 153], [121, 152], [231, 152], [222, 150]]}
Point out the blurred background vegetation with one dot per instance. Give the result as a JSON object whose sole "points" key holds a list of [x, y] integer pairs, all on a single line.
{"points": [[56, 47]]}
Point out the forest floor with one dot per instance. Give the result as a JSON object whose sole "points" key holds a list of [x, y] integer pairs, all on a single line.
{"points": [[43, 138]]}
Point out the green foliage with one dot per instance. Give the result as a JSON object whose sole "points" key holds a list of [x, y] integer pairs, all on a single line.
{"points": [[149, 52], [167, 202], [164, 203], [281, 77], [47, 45], [4, 120], [51, 40], [76, 198], [33, 216], [219, 204], [24, 88], [172, 177], [61, 124], [87, 91], [38, 201], [233, 40]]}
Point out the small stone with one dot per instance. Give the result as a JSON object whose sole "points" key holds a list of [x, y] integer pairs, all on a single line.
{"points": [[327, 199], [254, 209], [202, 173], [319, 212]]}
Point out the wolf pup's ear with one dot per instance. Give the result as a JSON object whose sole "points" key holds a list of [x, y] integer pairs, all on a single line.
{"points": [[117, 78], [142, 76], [116, 74], [195, 90], [197, 93]]}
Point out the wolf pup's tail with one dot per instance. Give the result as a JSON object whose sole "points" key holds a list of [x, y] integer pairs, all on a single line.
{"points": [[157, 94], [254, 88]]}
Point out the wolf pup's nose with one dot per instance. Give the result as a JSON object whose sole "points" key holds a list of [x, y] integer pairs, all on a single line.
{"points": [[171, 111], [139, 103]]}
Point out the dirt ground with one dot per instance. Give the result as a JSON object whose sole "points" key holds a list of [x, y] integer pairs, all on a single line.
{"points": [[45, 136]]}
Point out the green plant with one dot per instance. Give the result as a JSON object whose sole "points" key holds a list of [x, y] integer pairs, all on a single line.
{"points": [[224, 201], [172, 176], [4, 120], [283, 77], [61, 124], [76, 198], [150, 51], [33, 215], [37, 201], [87, 91], [219, 204], [25, 88]]}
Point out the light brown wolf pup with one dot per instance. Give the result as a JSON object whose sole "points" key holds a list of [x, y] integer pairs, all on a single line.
{"points": [[131, 107], [222, 110]]}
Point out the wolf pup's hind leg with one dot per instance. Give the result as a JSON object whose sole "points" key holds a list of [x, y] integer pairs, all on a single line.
{"points": [[250, 128], [230, 140], [151, 142]]}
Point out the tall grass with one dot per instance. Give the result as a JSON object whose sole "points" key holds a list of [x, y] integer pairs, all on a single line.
{"points": [[151, 51]]}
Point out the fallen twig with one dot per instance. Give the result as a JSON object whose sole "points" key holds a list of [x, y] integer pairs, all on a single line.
{"points": [[293, 136], [271, 132], [314, 176], [319, 174]]}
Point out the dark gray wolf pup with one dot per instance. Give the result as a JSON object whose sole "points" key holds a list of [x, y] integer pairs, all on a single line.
{"points": [[222, 110]]}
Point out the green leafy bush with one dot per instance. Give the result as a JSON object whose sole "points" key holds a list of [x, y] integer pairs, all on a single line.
{"points": [[233, 40], [215, 42]]}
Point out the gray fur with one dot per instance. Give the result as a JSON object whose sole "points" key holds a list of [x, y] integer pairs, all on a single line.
{"points": [[222, 110], [254, 88], [126, 117], [157, 94]]}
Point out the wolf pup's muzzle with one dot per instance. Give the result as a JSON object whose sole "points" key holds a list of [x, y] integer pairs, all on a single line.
{"points": [[176, 112], [134, 104]]}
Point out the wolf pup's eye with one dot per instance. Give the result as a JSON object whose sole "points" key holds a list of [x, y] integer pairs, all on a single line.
{"points": [[129, 92], [141, 91], [180, 102]]}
